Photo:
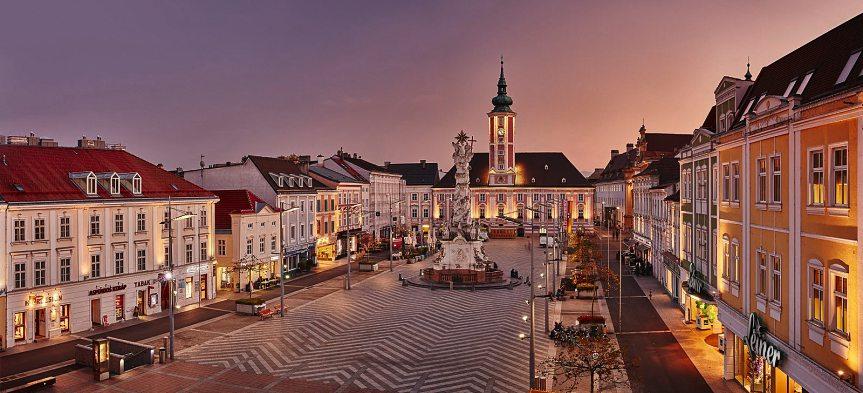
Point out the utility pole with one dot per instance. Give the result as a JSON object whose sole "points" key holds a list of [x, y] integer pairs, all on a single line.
{"points": [[390, 203], [282, 255], [348, 218], [532, 360], [172, 293]]}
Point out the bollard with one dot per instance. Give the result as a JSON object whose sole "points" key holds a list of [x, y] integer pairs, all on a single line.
{"points": [[450, 285], [400, 277], [162, 355], [165, 342]]}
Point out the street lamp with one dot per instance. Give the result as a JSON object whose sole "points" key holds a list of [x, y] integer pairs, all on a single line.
{"points": [[283, 254], [169, 276], [348, 209], [391, 203]]}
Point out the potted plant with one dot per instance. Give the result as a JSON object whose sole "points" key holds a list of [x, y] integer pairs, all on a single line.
{"points": [[249, 306]]}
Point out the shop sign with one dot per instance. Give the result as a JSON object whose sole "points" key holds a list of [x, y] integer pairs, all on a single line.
{"points": [[99, 291], [143, 283], [756, 339]]}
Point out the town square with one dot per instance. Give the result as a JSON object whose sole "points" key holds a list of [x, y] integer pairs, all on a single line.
{"points": [[377, 196]]}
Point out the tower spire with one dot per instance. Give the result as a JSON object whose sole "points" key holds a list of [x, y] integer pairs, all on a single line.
{"points": [[502, 101], [748, 74]]}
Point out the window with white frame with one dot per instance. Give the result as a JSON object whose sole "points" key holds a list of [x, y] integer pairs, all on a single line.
{"points": [[839, 301], [94, 225], [136, 184], [20, 230], [839, 178], [203, 217], [39, 273], [735, 259], [65, 269], [115, 184], [95, 265], [118, 223], [735, 182], [189, 253], [816, 292], [715, 183], [726, 182], [141, 222], [776, 180], [142, 259], [20, 274], [39, 229], [65, 227], [761, 185], [273, 246], [119, 262], [262, 244], [222, 247], [762, 284], [776, 279], [203, 251], [816, 178], [92, 185], [249, 246]]}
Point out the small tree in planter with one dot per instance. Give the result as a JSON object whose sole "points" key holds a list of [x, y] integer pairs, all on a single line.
{"points": [[586, 354], [248, 306]]}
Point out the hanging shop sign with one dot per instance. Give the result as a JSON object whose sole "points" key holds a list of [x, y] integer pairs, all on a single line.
{"points": [[98, 291], [756, 339]]}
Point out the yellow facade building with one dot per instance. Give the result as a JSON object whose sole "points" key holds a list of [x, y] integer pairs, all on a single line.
{"points": [[788, 230]]}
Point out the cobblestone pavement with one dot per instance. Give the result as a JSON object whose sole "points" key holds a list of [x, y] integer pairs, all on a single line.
{"points": [[386, 337]]}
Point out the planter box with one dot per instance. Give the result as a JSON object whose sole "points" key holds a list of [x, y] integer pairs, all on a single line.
{"points": [[368, 267], [249, 309]]}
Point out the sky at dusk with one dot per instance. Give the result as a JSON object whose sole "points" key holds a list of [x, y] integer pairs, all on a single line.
{"points": [[393, 81]]}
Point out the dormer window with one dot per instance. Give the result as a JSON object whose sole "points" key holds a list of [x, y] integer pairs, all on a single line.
{"points": [[789, 88], [848, 66], [803, 84], [115, 184], [533, 180], [546, 166], [563, 180], [281, 181], [136, 184], [291, 181], [92, 184]]}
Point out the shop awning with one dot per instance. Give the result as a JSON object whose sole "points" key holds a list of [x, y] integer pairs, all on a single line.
{"points": [[671, 261], [704, 295]]}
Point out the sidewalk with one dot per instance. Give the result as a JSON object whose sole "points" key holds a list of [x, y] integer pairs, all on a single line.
{"points": [[568, 312], [705, 357]]}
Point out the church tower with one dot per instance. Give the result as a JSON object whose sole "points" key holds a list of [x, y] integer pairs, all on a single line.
{"points": [[501, 137]]}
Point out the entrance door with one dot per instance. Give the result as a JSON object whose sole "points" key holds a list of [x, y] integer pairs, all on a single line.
{"points": [[95, 312], [164, 295], [140, 302], [203, 286], [40, 330]]}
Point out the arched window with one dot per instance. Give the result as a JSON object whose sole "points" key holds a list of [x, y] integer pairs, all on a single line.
{"points": [[816, 291], [115, 184], [92, 184], [839, 299], [136, 184]]}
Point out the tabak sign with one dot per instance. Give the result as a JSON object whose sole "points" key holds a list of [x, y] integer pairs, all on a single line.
{"points": [[756, 339]]}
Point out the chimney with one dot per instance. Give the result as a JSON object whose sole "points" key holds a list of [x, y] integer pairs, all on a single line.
{"points": [[614, 153], [386, 164], [423, 163], [355, 155], [629, 146], [304, 163], [160, 165]]}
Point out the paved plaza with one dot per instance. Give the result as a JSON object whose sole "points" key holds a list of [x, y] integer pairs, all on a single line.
{"points": [[387, 337]]}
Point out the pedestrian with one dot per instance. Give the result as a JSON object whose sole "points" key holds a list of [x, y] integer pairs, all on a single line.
{"points": [[650, 294]]}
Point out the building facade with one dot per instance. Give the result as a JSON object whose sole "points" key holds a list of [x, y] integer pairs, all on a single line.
{"points": [[382, 190], [349, 192], [513, 192], [88, 245], [788, 221], [283, 183], [327, 223], [247, 239], [420, 179]]}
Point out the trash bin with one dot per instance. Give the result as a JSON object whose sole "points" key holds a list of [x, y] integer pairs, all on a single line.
{"points": [[163, 355]]}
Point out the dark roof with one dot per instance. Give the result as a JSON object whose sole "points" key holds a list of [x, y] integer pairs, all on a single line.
{"points": [[530, 171], [666, 169], [332, 175], [664, 142], [710, 121], [43, 174], [596, 175], [417, 173], [366, 165], [616, 165], [825, 55], [267, 165], [236, 201]]}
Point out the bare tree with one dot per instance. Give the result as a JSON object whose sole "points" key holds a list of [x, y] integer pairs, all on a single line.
{"points": [[586, 354]]}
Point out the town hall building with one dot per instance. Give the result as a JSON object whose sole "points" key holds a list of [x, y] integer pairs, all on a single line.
{"points": [[513, 192]]}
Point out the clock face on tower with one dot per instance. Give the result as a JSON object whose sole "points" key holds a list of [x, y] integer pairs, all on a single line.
{"points": [[500, 131]]}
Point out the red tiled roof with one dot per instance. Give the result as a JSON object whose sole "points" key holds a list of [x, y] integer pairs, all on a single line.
{"points": [[234, 201], [43, 174]]}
